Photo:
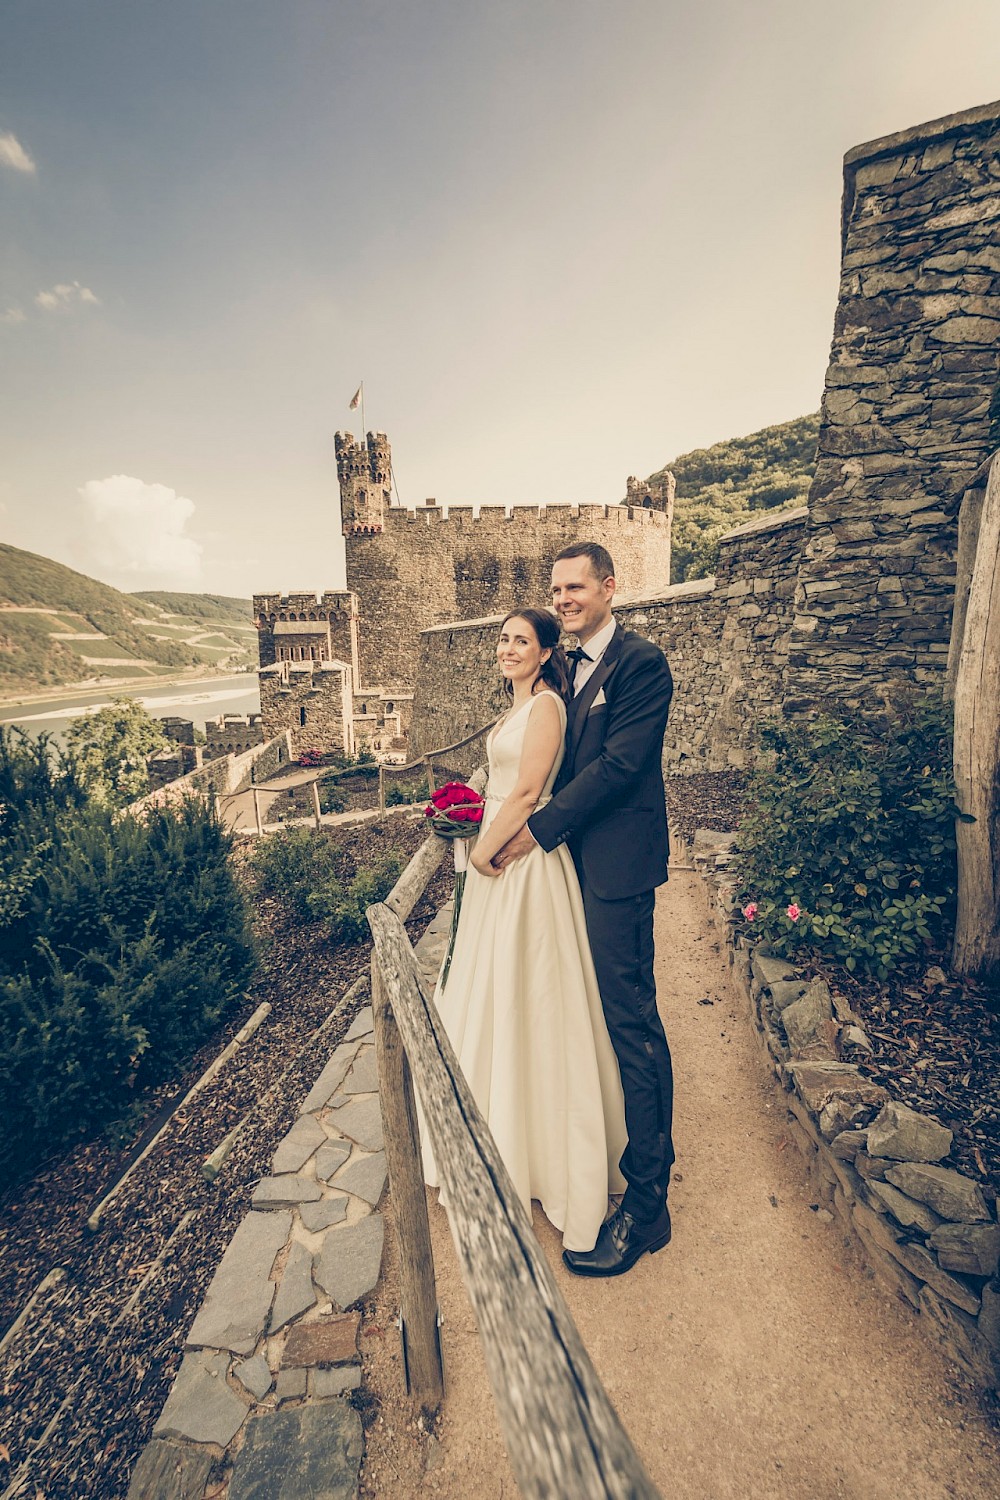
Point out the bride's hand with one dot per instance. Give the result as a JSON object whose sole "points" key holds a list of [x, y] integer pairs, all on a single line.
{"points": [[483, 866]]}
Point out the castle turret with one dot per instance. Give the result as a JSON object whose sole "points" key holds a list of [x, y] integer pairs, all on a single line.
{"points": [[656, 493], [365, 474]]}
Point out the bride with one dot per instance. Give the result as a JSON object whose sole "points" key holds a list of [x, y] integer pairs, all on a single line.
{"points": [[521, 1004]]}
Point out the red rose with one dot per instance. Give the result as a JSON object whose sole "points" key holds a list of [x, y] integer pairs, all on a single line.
{"points": [[452, 801]]}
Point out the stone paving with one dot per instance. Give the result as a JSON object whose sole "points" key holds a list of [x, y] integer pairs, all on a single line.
{"points": [[273, 1350]]}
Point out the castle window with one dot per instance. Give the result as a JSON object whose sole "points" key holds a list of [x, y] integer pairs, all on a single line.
{"points": [[647, 504], [302, 716], [388, 706]]}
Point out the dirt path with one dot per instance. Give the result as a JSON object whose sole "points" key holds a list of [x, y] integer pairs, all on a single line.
{"points": [[753, 1358]]}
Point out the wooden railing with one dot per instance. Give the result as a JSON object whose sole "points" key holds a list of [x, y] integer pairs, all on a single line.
{"points": [[563, 1436], [426, 762]]}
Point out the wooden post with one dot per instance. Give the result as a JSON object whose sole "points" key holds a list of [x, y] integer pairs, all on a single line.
{"points": [[417, 1290], [977, 754], [969, 521], [315, 792], [256, 810], [381, 787], [431, 788]]}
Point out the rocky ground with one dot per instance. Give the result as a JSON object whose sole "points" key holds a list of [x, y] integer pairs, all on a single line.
{"points": [[103, 1373]]}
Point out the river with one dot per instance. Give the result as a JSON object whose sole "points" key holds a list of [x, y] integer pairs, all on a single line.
{"points": [[199, 701]]}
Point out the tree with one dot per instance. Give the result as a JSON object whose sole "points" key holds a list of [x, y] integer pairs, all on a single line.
{"points": [[110, 748]]}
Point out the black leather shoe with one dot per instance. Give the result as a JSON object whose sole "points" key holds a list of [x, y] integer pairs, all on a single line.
{"points": [[620, 1243]]}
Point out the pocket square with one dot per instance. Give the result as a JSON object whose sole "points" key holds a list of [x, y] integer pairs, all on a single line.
{"points": [[598, 702]]}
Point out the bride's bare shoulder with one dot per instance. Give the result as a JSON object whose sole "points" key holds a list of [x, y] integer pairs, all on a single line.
{"points": [[559, 705]]}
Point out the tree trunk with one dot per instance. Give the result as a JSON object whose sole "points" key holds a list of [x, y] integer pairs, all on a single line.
{"points": [[977, 754]]}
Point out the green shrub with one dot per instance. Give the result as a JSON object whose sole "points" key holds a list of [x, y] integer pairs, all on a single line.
{"points": [[123, 943], [316, 880], [853, 824], [406, 793], [330, 800]]}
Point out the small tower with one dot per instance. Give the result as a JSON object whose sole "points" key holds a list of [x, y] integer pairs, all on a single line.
{"points": [[365, 474], [656, 493]]}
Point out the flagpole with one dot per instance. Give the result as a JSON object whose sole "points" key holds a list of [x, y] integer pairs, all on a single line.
{"points": [[364, 424]]}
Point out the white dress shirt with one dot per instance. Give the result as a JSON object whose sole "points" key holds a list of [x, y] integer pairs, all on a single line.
{"points": [[595, 649]]}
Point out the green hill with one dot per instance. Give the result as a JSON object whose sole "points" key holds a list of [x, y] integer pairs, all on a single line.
{"points": [[59, 627], [732, 482], [217, 608]]}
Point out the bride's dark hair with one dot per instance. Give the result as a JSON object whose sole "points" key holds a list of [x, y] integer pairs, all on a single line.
{"points": [[554, 672]]}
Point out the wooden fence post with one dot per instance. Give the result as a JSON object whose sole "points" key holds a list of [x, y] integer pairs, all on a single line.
{"points": [[315, 795], [381, 787], [417, 1289], [256, 810], [976, 949], [431, 788]]}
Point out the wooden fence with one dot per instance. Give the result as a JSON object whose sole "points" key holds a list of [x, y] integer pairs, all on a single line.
{"points": [[563, 1436]]}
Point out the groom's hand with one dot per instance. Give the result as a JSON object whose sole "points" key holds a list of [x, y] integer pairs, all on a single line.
{"points": [[516, 848]]}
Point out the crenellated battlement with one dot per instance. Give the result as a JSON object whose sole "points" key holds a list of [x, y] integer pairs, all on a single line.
{"points": [[304, 606], [546, 517]]}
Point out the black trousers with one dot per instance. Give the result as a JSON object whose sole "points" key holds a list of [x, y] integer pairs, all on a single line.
{"points": [[621, 940]]}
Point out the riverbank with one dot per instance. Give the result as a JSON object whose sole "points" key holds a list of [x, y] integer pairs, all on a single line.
{"points": [[190, 675]]}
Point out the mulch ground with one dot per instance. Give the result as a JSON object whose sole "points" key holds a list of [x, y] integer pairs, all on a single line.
{"points": [[118, 1378], [936, 1039]]}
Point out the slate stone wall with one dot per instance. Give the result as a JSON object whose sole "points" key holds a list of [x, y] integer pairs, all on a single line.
{"points": [[905, 417], [726, 639]]}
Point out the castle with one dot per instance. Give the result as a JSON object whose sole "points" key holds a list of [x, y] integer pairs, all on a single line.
{"points": [[338, 669]]}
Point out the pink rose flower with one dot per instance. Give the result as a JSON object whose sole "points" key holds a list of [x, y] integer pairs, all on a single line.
{"points": [[794, 912], [750, 910]]}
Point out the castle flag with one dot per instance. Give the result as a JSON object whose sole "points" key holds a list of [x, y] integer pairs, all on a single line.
{"points": [[355, 399]]}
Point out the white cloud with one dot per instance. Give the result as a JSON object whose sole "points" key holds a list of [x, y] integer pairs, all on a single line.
{"points": [[65, 294], [13, 154], [135, 531], [12, 315]]}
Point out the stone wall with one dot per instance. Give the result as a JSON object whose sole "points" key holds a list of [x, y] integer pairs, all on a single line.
{"points": [[429, 566], [225, 775], [726, 639], [905, 415], [311, 701]]}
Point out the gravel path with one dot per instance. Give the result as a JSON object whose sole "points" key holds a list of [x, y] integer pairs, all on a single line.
{"points": [[754, 1358]]}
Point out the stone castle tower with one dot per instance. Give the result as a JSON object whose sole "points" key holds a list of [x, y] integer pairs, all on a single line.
{"points": [[339, 669], [411, 569], [364, 471]]}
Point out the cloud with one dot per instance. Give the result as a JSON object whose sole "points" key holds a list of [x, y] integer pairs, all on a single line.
{"points": [[12, 315], [13, 154], [66, 294], [135, 530]]}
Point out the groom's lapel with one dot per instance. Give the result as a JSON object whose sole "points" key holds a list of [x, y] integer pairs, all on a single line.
{"points": [[584, 701]]}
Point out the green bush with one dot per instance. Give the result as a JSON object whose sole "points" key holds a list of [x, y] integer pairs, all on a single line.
{"points": [[123, 943], [316, 880], [406, 793], [330, 800], [853, 829]]}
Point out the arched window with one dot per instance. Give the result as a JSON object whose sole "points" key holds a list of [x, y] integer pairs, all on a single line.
{"points": [[364, 707], [302, 716], [389, 707]]}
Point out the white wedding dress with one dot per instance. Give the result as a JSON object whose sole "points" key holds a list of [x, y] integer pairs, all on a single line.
{"points": [[523, 1012]]}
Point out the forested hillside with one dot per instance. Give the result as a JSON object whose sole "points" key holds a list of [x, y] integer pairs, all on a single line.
{"points": [[732, 482], [59, 627]]}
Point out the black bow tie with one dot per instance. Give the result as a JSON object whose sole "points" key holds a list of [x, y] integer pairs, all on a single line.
{"points": [[576, 656]]}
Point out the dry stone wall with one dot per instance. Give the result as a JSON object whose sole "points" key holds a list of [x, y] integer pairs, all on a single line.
{"points": [[726, 639], [905, 418]]}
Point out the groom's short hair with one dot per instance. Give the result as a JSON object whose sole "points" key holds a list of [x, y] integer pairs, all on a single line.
{"points": [[600, 558]]}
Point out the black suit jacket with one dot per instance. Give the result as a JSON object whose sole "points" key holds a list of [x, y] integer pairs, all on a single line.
{"points": [[609, 805]]}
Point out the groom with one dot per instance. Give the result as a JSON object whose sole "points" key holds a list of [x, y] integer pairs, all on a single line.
{"points": [[610, 809]]}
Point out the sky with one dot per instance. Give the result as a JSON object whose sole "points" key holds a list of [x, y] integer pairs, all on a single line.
{"points": [[559, 241]]}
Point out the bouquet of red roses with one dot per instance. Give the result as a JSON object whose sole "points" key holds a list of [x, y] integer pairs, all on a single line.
{"points": [[455, 811]]}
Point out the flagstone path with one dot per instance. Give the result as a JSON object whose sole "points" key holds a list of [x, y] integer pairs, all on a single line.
{"points": [[754, 1357]]}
